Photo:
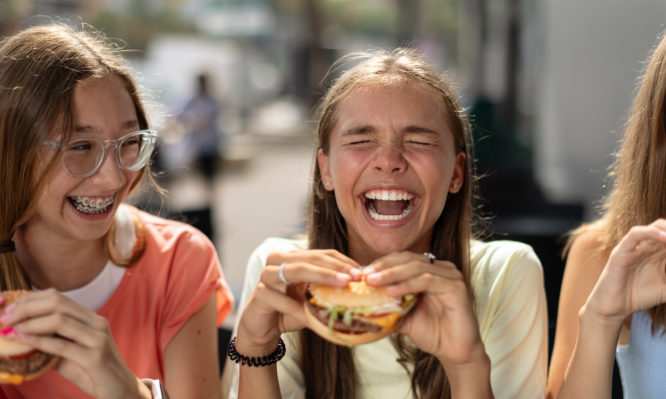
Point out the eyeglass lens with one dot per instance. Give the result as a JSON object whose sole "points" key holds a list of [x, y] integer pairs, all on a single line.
{"points": [[84, 156]]}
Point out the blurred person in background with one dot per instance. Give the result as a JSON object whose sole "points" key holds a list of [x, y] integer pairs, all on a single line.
{"points": [[612, 303], [124, 298], [199, 119], [393, 182]]}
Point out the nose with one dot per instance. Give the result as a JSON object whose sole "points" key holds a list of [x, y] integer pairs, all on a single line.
{"points": [[110, 173], [389, 159]]}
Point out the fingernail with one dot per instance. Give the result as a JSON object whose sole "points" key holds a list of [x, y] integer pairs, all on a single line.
{"points": [[372, 278], [8, 310], [8, 331], [368, 270], [355, 273], [19, 336], [392, 289], [343, 278]]}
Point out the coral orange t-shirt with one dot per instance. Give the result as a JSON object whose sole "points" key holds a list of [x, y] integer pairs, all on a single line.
{"points": [[176, 275]]}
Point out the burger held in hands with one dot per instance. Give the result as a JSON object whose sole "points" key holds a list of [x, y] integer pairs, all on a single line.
{"points": [[355, 314], [19, 362]]}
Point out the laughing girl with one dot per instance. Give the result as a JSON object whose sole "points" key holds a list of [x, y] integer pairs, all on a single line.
{"points": [[119, 295], [392, 186]]}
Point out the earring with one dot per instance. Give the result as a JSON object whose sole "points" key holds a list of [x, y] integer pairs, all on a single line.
{"points": [[455, 185], [328, 183]]}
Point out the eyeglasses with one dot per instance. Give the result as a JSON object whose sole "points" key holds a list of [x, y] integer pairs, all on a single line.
{"points": [[83, 156]]}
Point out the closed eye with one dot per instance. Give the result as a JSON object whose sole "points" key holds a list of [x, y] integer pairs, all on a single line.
{"points": [[418, 142]]}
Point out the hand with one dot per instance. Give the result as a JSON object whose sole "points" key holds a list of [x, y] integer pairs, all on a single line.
{"points": [[275, 308], [634, 277], [443, 323], [53, 323]]}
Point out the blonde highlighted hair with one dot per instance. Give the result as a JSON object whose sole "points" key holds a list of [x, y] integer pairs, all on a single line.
{"points": [[637, 177]]}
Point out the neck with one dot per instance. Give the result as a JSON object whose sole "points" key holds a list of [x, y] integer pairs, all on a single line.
{"points": [[60, 263]]}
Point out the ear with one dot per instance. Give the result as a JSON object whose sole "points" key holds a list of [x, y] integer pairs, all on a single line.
{"points": [[324, 170], [458, 176]]}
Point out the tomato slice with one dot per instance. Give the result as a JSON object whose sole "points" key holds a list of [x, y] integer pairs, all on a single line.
{"points": [[24, 355]]}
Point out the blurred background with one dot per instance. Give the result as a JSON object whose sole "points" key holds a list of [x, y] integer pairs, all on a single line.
{"points": [[232, 86]]}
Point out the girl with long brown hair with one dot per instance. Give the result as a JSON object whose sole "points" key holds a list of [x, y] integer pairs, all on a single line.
{"points": [[392, 182], [125, 300], [613, 298]]}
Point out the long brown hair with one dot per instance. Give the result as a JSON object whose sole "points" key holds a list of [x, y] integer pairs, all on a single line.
{"points": [[637, 193], [335, 377], [39, 68]]}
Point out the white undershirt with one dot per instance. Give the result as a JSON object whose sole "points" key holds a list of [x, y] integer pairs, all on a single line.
{"points": [[95, 294]]}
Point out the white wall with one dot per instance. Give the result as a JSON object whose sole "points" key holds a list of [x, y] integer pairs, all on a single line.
{"points": [[592, 54]]}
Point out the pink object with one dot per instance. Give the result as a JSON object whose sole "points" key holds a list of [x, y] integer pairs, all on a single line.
{"points": [[7, 331]]}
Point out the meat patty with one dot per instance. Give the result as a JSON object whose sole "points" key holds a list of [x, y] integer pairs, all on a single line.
{"points": [[356, 325], [25, 365]]}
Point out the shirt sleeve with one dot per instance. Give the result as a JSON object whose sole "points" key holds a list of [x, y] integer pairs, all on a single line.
{"points": [[195, 275], [515, 325]]}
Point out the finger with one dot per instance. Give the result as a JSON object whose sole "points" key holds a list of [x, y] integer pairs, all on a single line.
{"points": [[67, 327], [327, 258], [655, 232], [411, 266], [59, 346], [296, 273], [397, 258], [264, 308], [391, 260], [43, 303], [448, 282]]}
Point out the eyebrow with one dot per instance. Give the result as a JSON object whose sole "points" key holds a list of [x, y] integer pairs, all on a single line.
{"points": [[357, 130], [365, 129], [88, 129], [419, 129]]}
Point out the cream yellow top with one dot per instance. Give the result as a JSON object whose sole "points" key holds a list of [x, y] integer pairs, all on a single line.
{"points": [[507, 281]]}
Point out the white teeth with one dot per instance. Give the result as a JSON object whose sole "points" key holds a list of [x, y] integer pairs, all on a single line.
{"points": [[91, 205], [389, 195], [376, 216]]}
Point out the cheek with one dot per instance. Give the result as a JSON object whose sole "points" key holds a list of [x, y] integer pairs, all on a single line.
{"points": [[346, 166], [134, 179]]}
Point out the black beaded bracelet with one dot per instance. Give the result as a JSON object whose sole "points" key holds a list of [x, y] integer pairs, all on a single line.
{"points": [[256, 361]]}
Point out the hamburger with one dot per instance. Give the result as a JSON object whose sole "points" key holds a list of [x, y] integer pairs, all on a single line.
{"points": [[19, 362], [355, 314]]}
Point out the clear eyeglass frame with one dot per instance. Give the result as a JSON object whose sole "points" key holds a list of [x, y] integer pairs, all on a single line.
{"points": [[147, 145]]}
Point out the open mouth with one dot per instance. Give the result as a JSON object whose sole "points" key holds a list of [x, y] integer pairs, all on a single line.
{"points": [[91, 205], [389, 205]]}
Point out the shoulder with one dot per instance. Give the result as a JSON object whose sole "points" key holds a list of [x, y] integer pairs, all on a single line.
{"points": [[170, 242], [588, 247], [166, 232], [257, 259], [498, 256], [586, 260], [280, 244], [498, 265]]}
